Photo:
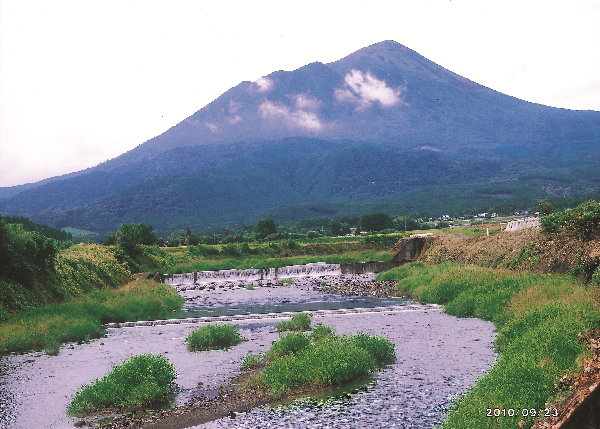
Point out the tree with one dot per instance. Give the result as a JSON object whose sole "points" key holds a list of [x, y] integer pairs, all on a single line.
{"points": [[190, 238], [265, 228], [335, 226], [545, 207], [345, 228], [110, 239], [132, 235], [406, 223], [24, 255], [376, 222]]}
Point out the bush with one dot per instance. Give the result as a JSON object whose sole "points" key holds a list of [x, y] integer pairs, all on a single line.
{"points": [[213, 337], [330, 360], [288, 344], [583, 220], [316, 360], [321, 331], [381, 349], [137, 382], [251, 361], [300, 322]]}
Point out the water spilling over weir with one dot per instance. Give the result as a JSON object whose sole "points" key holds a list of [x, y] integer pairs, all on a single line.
{"points": [[253, 274]]}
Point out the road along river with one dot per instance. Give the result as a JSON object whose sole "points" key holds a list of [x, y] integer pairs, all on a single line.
{"points": [[437, 358]]}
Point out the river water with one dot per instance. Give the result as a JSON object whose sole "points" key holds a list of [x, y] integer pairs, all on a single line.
{"points": [[438, 357]]}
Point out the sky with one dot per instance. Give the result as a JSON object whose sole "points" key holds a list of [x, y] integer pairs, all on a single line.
{"points": [[83, 81]]}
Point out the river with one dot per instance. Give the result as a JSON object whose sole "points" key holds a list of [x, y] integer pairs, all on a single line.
{"points": [[437, 358]]}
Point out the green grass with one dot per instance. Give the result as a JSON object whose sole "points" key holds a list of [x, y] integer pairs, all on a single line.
{"points": [[300, 322], [213, 337], [45, 328], [240, 263], [321, 331], [76, 271], [537, 318], [135, 383], [299, 360]]}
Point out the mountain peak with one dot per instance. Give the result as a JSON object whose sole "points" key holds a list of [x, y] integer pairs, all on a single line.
{"points": [[382, 93]]}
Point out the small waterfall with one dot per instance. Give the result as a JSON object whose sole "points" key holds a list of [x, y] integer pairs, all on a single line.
{"points": [[253, 274]]}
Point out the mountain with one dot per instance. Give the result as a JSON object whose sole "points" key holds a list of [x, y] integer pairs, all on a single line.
{"points": [[381, 128]]}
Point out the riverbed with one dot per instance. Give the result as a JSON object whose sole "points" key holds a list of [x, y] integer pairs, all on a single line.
{"points": [[437, 358]]}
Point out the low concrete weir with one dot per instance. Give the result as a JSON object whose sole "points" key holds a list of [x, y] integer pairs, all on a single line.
{"points": [[424, 307], [253, 274]]}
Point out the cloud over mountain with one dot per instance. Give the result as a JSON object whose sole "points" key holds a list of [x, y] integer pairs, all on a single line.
{"points": [[295, 118], [365, 89]]}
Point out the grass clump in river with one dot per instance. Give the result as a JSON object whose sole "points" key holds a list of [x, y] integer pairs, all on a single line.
{"points": [[300, 322], [136, 383], [298, 360], [213, 337], [537, 318], [45, 328]]}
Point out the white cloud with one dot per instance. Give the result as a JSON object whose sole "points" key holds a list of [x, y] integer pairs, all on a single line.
{"points": [[264, 84], [235, 119], [234, 106], [305, 101], [297, 118], [366, 90], [212, 127], [342, 95]]}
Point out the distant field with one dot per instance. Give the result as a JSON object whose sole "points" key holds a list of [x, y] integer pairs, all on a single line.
{"points": [[78, 232]]}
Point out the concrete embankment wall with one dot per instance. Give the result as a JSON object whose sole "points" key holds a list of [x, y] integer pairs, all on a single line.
{"points": [[409, 249], [528, 222]]}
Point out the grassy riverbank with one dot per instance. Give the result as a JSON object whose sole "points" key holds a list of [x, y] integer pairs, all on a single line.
{"points": [[70, 273], [244, 262], [538, 317], [46, 328]]}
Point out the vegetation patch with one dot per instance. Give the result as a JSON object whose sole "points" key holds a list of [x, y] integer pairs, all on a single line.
{"points": [[213, 337], [321, 253], [300, 322], [298, 360], [583, 221], [537, 317], [45, 328], [135, 383]]}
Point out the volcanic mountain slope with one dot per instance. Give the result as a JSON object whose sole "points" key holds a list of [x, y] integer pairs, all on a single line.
{"points": [[385, 93], [384, 124]]}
